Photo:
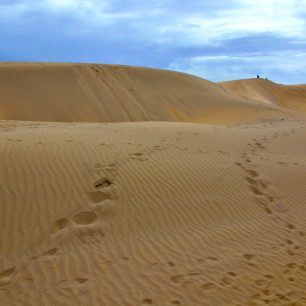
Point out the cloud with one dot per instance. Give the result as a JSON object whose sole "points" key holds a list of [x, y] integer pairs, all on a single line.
{"points": [[167, 20], [281, 67], [281, 18], [163, 33]]}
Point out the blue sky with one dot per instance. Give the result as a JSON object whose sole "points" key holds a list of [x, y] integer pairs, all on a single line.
{"points": [[217, 40]]}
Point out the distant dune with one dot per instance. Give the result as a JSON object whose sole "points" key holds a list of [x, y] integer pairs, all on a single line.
{"points": [[150, 213], [109, 93], [292, 97]]}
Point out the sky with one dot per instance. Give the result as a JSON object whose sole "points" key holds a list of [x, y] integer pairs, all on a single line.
{"points": [[218, 40]]}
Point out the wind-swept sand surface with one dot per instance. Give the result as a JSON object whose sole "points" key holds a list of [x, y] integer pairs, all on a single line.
{"points": [[108, 93], [149, 213], [292, 96]]}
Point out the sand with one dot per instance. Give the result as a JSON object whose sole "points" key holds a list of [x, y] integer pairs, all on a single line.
{"points": [[290, 97], [191, 209], [108, 93]]}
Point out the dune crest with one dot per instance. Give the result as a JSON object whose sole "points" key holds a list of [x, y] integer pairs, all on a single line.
{"points": [[288, 96], [112, 93]]}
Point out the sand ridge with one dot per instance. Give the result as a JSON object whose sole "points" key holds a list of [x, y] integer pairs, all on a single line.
{"points": [[270, 93], [110, 93]]}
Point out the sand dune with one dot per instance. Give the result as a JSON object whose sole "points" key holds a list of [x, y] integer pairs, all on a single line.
{"points": [[288, 96], [148, 213], [106, 93]]}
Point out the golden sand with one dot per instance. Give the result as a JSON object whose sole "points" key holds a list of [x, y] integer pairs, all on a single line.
{"points": [[102, 206]]}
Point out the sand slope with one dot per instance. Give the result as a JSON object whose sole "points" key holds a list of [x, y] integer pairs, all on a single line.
{"points": [[149, 213], [106, 93], [288, 96], [152, 214]]}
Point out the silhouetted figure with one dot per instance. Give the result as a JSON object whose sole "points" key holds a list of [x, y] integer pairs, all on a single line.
{"points": [[266, 78], [258, 76]]}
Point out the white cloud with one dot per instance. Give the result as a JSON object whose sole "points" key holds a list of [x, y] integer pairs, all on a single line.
{"points": [[166, 27], [244, 17], [165, 21], [87, 12], [282, 67]]}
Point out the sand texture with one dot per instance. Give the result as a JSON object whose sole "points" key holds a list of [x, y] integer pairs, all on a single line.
{"points": [[108, 93], [150, 213], [292, 96]]}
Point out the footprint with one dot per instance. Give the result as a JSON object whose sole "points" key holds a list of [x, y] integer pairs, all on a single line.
{"points": [[102, 191], [208, 286], [252, 260], [270, 198], [227, 281], [255, 190], [267, 292], [194, 274], [81, 280], [260, 282], [91, 234], [268, 210], [105, 209], [138, 156], [252, 173], [50, 252], [289, 242], [177, 279], [99, 196], [293, 294], [251, 181], [84, 218], [302, 234], [212, 259], [249, 256], [7, 272], [290, 226], [68, 284], [255, 296], [59, 225], [102, 183], [232, 274], [176, 302], [263, 183], [146, 302], [303, 268], [292, 265], [279, 207], [288, 272], [292, 252]]}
